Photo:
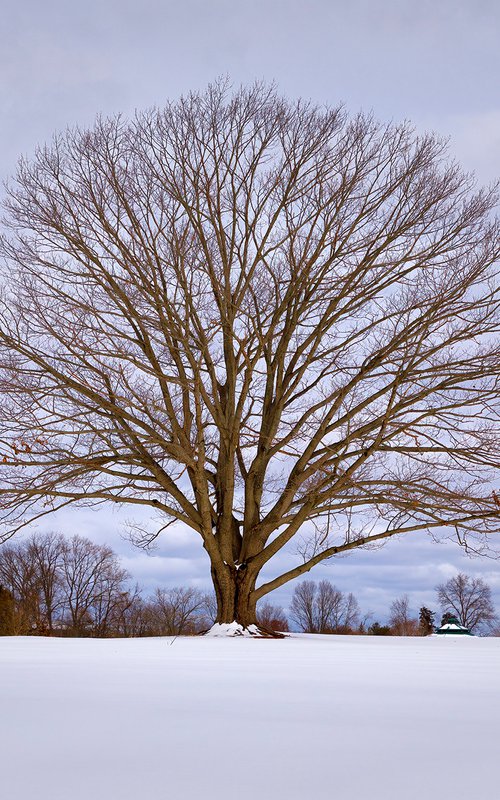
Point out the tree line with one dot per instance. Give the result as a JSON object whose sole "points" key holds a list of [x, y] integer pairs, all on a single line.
{"points": [[323, 608], [54, 585]]}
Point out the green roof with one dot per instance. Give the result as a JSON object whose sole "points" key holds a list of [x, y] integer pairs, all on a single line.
{"points": [[453, 627]]}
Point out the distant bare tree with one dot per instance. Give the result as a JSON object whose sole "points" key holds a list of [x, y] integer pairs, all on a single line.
{"points": [[350, 616], [113, 603], [272, 617], [178, 610], [469, 599], [210, 608], [327, 602], [30, 571], [93, 583], [322, 608], [364, 621], [44, 551], [400, 620], [258, 318], [169, 612], [133, 615], [302, 607]]}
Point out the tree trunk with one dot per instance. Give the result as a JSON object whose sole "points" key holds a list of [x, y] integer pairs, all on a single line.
{"points": [[234, 589], [233, 592]]}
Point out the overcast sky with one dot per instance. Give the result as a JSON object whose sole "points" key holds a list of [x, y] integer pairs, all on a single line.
{"points": [[435, 62]]}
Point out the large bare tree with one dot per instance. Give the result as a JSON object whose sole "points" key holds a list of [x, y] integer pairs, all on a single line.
{"points": [[264, 320]]}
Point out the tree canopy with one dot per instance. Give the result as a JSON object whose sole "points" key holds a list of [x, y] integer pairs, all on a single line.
{"points": [[271, 322]]}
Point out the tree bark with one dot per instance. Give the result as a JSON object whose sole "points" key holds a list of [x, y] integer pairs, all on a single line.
{"points": [[236, 600], [233, 590]]}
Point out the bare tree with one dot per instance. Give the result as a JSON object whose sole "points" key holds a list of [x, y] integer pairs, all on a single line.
{"points": [[178, 611], [44, 553], [112, 601], [169, 612], [303, 607], [350, 617], [94, 583], [210, 608], [30, 571], [131, 616], [469, 599], [400, 620], [327, 605], [322, 608], [271, 618], [260, 319]]}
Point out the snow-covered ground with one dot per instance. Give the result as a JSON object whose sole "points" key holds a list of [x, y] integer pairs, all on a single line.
{"points": [[310, 717]]}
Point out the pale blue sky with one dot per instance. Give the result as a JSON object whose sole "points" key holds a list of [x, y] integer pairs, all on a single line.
{"points": [[436, 62]]}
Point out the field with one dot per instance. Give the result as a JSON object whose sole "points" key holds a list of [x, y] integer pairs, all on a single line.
{"points": [[350, 718]]}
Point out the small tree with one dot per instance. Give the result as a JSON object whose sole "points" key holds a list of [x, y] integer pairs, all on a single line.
{"points": [[322, 608], [349, 616], [21, 574], [178, 611], [426, 621], [93, 582], [400, 620], [376, 629], [272, 617], [302, 607], [44, 553], [131, 617], [470, 601]]}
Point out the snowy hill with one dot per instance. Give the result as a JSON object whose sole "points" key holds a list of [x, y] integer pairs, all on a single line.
{"points": [[320, 717]]}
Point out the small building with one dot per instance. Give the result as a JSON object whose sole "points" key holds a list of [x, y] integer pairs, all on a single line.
{"points": [[452, 626]]}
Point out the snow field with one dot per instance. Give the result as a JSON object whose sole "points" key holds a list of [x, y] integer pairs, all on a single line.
{"points": [[320, 717]]}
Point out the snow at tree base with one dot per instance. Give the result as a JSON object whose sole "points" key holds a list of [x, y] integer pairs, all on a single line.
{"points": [[233, 629], [319, 717]]}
